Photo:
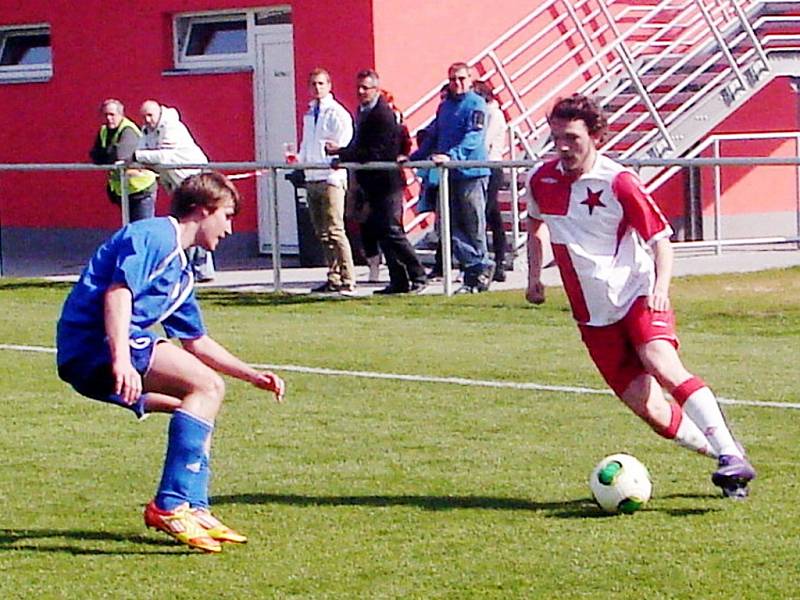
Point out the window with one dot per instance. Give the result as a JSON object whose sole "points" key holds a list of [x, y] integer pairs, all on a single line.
{"points": [[212, 41], [25, 54], [223, 40]]}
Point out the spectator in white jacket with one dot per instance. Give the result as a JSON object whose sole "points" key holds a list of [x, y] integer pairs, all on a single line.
{"points": [[166, 140], [328, 121]]}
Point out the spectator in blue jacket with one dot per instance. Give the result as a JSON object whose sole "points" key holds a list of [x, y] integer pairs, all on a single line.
{"points": [[457, 133]]}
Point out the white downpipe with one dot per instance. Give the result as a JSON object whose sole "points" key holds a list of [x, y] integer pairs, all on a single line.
{"points": [[717, 201], [514, 195], [272, 201], [444, 231], [797, 190]]}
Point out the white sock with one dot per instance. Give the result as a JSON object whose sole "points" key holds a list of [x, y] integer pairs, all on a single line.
{"points": [[689, 436], [703, 408]]}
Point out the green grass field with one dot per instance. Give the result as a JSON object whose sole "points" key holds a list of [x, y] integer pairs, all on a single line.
{"points": [[378, 488]]}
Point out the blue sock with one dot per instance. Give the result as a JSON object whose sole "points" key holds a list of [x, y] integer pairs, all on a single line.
{"points": [[183, 479], [199, 497]]}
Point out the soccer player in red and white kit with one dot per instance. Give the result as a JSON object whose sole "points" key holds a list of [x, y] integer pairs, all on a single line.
{"points": [[611, 245]]}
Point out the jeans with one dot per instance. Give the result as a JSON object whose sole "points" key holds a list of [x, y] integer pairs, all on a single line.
{"points": [[468, 226], [202, 262], [141, 205]]}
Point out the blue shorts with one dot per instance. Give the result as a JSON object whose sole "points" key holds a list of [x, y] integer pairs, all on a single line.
{"points": [[91, 375]]}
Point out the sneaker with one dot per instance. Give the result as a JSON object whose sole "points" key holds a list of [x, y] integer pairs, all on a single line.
{"points": [[435, 274], [467, 289], [348, 291], [417, 287], [499, 275], [732, 476], [215, 528], [181, 525], [484, 279], [325, 288], [392, 289]]}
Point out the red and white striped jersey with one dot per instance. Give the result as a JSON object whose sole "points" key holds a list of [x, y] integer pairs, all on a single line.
{"points": [[601, 226]]}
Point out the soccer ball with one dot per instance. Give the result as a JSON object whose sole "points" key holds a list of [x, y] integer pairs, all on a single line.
{"points": [[620, 484]]}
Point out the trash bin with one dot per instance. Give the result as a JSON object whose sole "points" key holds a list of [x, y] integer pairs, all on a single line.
{"points": [[311, 253]]}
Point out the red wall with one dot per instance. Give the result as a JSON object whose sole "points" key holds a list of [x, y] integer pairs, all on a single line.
{"points": [[122, 49], [416, 42]]}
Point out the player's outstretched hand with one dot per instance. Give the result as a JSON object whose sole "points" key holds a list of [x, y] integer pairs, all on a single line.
{"points": [[127, 382], [658, 302], [266, 380], [535, 293]]}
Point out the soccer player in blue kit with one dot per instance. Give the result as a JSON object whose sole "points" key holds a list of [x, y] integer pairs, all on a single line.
{"points": [[107, 351]]}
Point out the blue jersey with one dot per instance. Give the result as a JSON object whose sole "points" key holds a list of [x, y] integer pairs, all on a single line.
{"points": [[145, 256]]}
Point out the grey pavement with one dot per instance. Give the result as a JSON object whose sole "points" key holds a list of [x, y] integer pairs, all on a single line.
{"points": [[299, 280]]}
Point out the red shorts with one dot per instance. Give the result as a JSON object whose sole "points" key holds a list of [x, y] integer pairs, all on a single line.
{"points": [[613, 347]]}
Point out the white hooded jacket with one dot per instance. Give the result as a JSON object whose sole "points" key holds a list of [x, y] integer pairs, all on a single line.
{"points": [[169, 142], [333, 123]]}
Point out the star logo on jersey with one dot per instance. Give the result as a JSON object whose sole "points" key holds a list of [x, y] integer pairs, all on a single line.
{"points": [[593, 200]]}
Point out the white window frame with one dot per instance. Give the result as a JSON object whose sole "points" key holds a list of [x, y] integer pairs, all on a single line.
{"points": [[25, 73], [182, 28]]}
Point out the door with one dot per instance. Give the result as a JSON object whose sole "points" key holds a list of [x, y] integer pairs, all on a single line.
{"points": [[274, 119]]}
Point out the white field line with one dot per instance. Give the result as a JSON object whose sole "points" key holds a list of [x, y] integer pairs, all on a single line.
{"points": [[447, 380]]}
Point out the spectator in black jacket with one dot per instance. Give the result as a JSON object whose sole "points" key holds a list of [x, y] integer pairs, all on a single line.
{"points": [[378, 137]]}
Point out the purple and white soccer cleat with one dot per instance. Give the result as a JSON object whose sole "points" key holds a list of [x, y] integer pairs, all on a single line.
{"points": [[733, 475]]}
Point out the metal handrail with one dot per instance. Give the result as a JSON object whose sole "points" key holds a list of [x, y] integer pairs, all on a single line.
{"points": [[272, 168]]}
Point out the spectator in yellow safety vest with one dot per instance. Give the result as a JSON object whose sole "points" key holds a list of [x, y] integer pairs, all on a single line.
{"points": [[117, 140]]}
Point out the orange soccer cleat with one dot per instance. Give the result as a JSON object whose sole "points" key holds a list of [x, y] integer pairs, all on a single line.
{"points": [[215, 528], [182, 525]]}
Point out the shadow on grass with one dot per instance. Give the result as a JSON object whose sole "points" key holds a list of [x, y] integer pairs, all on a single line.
{"points": [[580, 508], [15, 540], [228, 298], [33, 284]]}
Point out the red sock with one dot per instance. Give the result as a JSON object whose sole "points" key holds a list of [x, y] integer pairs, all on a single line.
{"points": [[686, 389]]}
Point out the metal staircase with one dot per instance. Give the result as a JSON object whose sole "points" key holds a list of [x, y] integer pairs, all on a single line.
{"points": [[667, 72]]}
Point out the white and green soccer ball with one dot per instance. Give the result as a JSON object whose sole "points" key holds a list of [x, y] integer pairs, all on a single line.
{"points": [[620, 484]]}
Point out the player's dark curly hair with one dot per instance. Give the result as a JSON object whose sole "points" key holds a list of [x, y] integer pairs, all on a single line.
{"points": [[210, 189], [580, 107]]}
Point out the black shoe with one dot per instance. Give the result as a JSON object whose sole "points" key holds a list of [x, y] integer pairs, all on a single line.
{"points": [[499, 275], [435, 274], [392, 289], [325, 288]]}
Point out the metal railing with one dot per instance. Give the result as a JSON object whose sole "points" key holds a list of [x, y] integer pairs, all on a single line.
{"points": [[652, 63], [271, 170]]}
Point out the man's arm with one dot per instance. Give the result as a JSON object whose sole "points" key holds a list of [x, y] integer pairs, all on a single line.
{"points": [[663, 255], [98, 154], [118, 307], [153, 157], [214, 355], [126, 145], [537, 238], [474, 135], [429, 143], [342, 128]]}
